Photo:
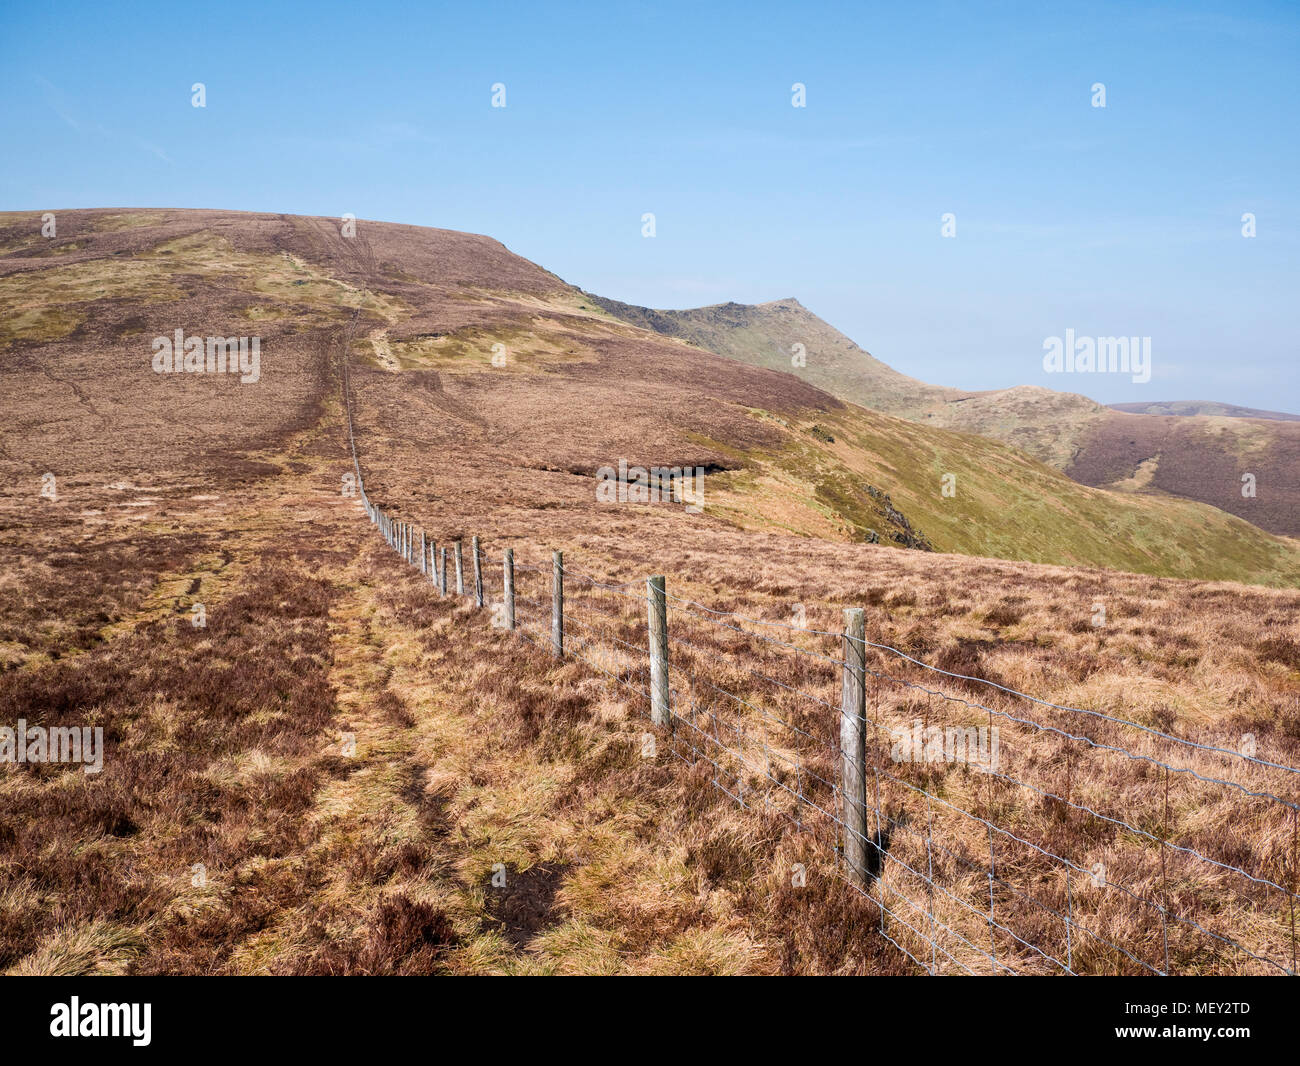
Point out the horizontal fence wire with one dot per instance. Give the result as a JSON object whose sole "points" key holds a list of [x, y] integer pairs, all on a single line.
{"points": [[998, 832]]}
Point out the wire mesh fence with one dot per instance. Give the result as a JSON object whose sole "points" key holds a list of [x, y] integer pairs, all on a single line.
{"points": [[995, 832]]}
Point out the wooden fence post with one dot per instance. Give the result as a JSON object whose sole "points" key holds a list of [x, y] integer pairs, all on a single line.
{"points": [[853, 739], [460, 572], [431, 564], [508, 585], [657, 601], [557, 603], [442, 584], [478, 572], [424, 554]]}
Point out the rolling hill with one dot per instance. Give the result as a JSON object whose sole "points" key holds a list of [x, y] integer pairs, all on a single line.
{"points": [[313, 763], [1198, 455], [431, 308], [1201, 407]]}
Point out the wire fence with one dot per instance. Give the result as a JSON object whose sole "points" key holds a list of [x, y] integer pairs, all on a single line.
{"points": [[995, 832]]}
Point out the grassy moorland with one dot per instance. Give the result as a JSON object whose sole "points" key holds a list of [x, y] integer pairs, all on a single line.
{"points": [[326, 777]]}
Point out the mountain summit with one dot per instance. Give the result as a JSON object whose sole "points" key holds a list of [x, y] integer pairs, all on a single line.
{"points": [[1188, 450]]}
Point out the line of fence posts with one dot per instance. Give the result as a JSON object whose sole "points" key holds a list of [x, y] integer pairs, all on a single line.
{"points": [[852, 724]]}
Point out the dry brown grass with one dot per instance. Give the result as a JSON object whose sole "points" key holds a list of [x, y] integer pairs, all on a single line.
{"points": [[474, 749]]}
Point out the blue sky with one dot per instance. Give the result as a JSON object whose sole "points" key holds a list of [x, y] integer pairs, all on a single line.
{"points": [[1117, 221]]}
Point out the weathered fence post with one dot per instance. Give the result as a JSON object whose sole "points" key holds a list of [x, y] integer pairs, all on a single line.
{"points": [[424, 554], [508, 586], [853, 741], [557, 603], [442, 584], [431, 564], [657, 608], [478, 572], [460, 572]]}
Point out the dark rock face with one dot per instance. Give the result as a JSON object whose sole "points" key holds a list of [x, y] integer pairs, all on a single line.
{"points": [[901, 532]]}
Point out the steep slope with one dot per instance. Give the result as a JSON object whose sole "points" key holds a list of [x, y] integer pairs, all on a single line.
{"points": [[1248, 467], [1044, 423], [1203, 458], [481, 371], [770, 335]]}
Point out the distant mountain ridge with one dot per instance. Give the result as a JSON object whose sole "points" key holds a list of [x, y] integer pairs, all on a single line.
{"points": [[1197, 450], [1201, 407]]}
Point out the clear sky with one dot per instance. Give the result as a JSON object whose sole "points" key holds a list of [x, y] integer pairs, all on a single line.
{"points": [[1123, 220]]}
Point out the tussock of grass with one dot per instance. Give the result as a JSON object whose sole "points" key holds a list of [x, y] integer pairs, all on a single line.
{"points": [[93, 949]]}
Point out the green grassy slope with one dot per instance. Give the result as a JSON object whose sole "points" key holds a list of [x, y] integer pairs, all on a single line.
{"points": [[1004, 504], [1043, 422], [1197, 457]]}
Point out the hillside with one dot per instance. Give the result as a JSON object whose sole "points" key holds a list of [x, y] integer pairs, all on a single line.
{"points": [[1201, 407], [313, 763], [1202, 457], [780, 453]]}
